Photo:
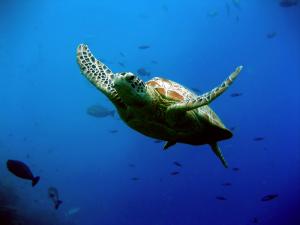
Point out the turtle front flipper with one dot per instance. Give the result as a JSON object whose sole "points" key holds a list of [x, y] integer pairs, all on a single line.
{"points": [[206, 98], [97, 73], [218, 153]]}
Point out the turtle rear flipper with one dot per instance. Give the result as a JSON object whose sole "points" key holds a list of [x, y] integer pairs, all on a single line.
{"points": [[218, 153], [97, 73], [206, 98]]}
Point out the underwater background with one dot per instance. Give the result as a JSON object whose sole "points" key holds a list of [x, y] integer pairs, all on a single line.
{"points": [[107, 173]]}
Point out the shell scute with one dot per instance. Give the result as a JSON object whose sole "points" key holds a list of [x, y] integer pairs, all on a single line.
{"points": [[170, 89]]}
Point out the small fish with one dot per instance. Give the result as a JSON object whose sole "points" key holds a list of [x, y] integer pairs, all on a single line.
{"points": [[113, 131], [258, 139], [236, 3], [53, 195], [255, 220], [271, 35], [131, 165], [213, 13], [269, 197], [221, 198], [288, 3], [236, 94], [174, 173], [122, 54], [135, 178], [236, 169], [121, 64], [21, 170], [177, 164], [165, 8], [143, 47], [99, 111], [226, 184], [154, 62], [158, 141], [232, 128], [143, 72]]}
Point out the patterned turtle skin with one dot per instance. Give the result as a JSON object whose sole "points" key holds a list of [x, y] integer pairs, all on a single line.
{"points": [[160, 108]]}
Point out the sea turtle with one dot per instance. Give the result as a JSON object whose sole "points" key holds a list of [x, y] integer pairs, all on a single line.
{"points": [[160, 108]]}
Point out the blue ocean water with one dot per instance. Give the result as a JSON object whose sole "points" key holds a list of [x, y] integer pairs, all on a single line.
{"points": [[44, 99]]}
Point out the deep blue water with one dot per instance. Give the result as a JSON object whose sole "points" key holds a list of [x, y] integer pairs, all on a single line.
{"points": [[44, 98]]}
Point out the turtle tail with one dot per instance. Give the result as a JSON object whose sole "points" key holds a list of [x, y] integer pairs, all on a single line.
{"points": [[214, 146]]}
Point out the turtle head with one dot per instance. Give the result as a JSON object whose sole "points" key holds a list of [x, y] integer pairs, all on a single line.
{"points": [[131, 89]]}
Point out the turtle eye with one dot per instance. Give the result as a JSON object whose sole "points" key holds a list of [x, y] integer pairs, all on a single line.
{"points": [[130, 77]]}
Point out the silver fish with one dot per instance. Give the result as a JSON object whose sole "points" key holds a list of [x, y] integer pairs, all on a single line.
{"points": [[99, 111]]}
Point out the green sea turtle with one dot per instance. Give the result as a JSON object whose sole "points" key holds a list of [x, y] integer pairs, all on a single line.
{"points": [[160, 108]]}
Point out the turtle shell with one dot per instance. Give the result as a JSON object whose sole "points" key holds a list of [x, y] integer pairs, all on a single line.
{"points": [[173, 91], [170, 89]]}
